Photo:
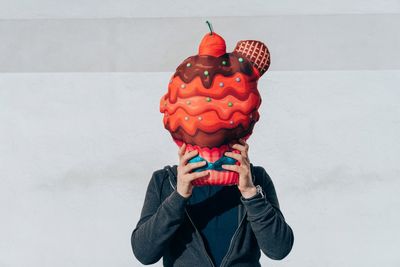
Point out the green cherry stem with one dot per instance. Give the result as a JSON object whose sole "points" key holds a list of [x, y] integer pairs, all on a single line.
{"points": [[209, 26]]}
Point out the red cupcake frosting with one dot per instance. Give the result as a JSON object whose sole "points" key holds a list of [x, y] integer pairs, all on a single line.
{"points": [[212, 97]]}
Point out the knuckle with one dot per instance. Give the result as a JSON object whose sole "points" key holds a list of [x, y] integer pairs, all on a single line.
{"points": [[184, 170], [193, 164], [199, 174]]}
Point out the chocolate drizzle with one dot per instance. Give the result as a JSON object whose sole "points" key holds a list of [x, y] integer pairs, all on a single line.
{"points": [[214, 65], [219, 138]]}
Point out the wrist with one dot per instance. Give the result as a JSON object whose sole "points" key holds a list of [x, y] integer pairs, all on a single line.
{"points": [[186, 196], [249, 192]]}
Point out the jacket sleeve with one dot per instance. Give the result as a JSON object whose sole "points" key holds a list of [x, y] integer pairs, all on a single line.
{"points": [[158, 221], [274, 236]]}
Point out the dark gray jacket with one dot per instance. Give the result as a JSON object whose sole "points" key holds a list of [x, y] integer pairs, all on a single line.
{"points": [[166, 230]]}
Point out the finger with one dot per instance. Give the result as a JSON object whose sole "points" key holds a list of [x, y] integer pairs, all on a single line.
{"points": [[187, 156], [193, 165], [243, 150], [238, 157], [235, 168], [196, 175], [239, 147], [244, 143], [181, 150]]}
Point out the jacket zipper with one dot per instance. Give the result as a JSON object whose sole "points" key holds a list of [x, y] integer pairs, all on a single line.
{"points": [[201, 240], [197, 231], [232, 239]]}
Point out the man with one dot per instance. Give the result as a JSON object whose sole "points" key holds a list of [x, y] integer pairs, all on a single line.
{"points": [[211, 225]]}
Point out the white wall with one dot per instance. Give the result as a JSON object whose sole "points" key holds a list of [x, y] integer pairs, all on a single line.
{"points": [[76, 157], [23, 9], [296, 42]]}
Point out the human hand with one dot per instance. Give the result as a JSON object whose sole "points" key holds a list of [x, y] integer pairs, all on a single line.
{"points": [[185, 178], [245, 185]]}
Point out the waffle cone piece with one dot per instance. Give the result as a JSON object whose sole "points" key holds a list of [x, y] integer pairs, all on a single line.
{"points": [[213, 100]]}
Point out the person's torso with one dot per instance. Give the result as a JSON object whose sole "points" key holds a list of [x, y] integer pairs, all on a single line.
{"points": [[214, 211], [188, 247]]}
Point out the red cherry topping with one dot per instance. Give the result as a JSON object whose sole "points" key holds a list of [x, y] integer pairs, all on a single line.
{"points": [[212, 44]]}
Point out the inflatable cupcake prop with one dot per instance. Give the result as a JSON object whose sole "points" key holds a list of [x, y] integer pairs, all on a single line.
{"points": [[213, 100]]}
